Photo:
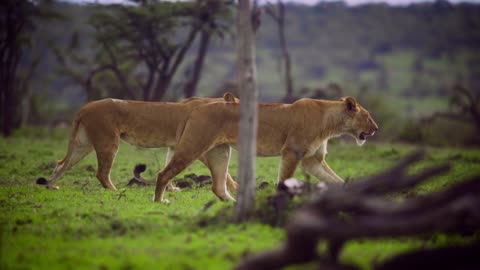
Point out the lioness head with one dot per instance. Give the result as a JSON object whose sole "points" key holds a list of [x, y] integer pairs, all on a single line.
{"points": [[230, 98], [359, 123]]}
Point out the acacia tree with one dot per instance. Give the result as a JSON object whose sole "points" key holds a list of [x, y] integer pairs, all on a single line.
{"points": [[84, 70], [148, 41], [246, 79]]}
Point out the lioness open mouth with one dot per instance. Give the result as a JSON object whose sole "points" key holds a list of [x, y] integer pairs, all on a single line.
{"points": [[363, 136]]}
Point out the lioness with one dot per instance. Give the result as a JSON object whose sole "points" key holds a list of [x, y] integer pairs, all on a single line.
{"points": [[99, 126], [299, 132]]}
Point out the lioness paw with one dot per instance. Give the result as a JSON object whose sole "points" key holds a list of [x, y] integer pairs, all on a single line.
{"points": [[173, 189], [165, 201], [176, 189], [162, 200], [233, 186]]}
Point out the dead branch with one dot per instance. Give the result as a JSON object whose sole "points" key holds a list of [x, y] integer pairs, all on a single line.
{"points": [[367, 212], [458, 257]]}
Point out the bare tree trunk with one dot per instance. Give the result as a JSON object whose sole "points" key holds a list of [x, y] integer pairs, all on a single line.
{"points": [[13, 21], [163, 82], [246, 78], [191, 85], [286, 54], [168, 72], [279, 18]]}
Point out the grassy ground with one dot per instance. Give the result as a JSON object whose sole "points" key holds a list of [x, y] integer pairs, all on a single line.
{"points": [[82, 226]]}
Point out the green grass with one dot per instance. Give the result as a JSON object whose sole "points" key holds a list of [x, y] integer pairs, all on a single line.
{"points": [[82, 226]]}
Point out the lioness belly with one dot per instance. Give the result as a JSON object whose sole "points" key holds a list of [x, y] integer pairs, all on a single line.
{"points": [[268, 150], [265, 150], [147, 141]]}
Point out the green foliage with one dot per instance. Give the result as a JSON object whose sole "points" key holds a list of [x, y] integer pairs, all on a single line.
{"points": [[83, 226], [17, 21]]}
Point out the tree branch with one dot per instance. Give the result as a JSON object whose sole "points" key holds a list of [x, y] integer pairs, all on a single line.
{"points": [[178, 58], [116, 70]]}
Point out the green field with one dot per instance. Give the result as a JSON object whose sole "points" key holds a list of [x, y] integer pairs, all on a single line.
{"points": [[82, 226]]}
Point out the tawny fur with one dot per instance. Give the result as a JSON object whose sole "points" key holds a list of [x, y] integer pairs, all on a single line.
{"points": [[100, 125], [297, 132]]}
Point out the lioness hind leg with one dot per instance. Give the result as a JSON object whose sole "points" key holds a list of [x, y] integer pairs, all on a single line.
{"points": [[218, 159], [78, 147], [77, 153]]}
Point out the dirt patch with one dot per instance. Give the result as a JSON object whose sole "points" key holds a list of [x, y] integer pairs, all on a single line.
{"points": [[47, 165], [188, 181], [89, 168]]}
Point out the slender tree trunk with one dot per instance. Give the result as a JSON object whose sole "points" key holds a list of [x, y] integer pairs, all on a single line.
{"points": [[191, 86], [246, 79], [167, 74], [163, 82], [286, 54], [10, 103], [13, 19], [8, 110], [148, 86]]}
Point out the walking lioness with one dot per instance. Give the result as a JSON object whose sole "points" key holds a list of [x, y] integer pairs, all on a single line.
{"points": [[298, 132], [99, 126]]}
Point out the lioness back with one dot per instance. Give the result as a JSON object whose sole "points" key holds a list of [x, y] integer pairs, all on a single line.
{"points": [[145, 124], [306, 120], [218, 123]]}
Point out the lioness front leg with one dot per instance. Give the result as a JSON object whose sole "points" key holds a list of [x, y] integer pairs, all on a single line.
{"points": [[231, 184], [318, 167], [288, 164], [178, 163], [327, 168], [170, 152]]}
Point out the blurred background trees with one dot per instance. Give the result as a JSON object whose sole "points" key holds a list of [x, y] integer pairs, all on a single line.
{"points": [[277, 13], [402, 62], [19, 55], [142, 46]]}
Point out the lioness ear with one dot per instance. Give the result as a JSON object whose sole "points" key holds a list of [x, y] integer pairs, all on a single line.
{"points": [[229, 97], [351, 103]]}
